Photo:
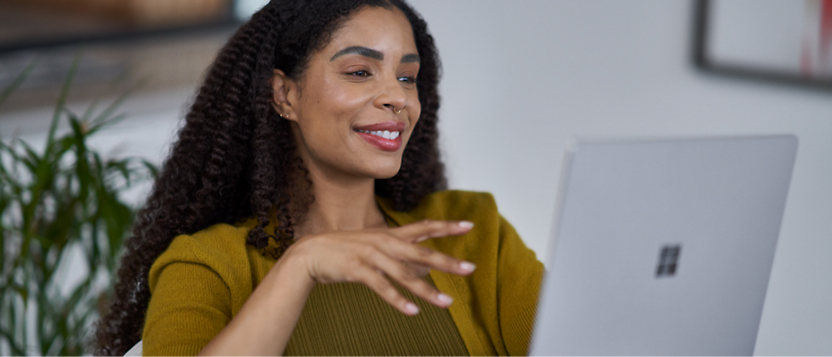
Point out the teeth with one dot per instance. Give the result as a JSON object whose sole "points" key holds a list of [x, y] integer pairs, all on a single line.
{"points": [[389, 135]]}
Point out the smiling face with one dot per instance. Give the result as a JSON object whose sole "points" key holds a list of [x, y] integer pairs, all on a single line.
{"points": [[355, 106]]}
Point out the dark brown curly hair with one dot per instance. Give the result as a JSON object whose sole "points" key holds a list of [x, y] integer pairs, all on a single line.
{"points": [[235, 158]]}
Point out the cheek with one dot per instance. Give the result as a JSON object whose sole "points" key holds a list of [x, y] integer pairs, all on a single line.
{"points": [[322, 107], [417, 109], [415, 113], [329, 109], [340, 96]]}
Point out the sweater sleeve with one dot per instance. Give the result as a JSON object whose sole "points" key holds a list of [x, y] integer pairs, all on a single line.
{"points": [[519, 275], [189, 305]]}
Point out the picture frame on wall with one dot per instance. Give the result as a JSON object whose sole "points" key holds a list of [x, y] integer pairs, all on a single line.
{"points": [[788, 41]]}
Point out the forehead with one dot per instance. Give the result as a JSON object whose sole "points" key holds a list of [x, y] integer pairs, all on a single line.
{"points": [[386, 30]]}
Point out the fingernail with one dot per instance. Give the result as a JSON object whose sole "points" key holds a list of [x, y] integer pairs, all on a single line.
{"points": [[411, 308], [466, 224], [467, 266], [421, 239], [445, 299]]}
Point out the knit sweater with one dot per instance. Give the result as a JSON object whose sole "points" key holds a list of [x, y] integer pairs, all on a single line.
{"points": [[202, 280]]}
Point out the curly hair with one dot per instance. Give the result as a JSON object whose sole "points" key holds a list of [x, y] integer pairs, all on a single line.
{"points": [[235, 158]]}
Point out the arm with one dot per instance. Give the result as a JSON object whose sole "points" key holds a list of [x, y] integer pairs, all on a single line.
{"points": [[266, 321], [191, 309], [270, 314]]}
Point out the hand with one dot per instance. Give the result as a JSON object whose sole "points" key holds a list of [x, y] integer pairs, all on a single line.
{"points": [[368, 256]]}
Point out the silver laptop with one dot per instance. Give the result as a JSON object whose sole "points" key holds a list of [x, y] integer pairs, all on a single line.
{"points": [[663, 247]]}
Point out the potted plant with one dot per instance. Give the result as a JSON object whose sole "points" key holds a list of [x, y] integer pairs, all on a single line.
{"points": [[59, 204]]}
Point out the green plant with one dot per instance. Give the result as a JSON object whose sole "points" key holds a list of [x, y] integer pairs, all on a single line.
{"points": [[57, 205]]}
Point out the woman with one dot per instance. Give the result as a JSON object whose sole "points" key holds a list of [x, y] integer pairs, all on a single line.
{"points": [[300, 211]]}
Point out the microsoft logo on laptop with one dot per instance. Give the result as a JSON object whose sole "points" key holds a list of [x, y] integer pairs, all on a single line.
{"points": [[668, 259]]}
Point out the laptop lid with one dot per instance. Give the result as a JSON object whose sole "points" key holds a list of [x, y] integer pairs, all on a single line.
{"points": [[663, 247]]}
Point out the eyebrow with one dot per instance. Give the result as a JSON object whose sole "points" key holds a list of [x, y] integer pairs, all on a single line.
{"points": [[358, 50], [411, 58], [371, 53]]}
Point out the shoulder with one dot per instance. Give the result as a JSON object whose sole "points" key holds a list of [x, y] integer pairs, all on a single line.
{"points": [[221, 248]]}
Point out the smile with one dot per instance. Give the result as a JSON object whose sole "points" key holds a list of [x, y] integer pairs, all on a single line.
{"points": [[385, 136], [389, 135]]}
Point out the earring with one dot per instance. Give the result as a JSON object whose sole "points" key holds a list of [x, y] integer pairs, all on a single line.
{"points": [[277, 104]]}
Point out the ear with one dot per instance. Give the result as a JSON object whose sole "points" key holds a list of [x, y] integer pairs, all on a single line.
{"points": [[284, 95]]}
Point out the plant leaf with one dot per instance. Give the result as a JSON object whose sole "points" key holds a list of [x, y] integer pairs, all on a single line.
{"points": [[10, 340], [51, 200], [32, 160], [7, 92], [90, 110], [50, 138], [95, 127], [104, 117], [82, 168], [4, 203], [151, 167], [122, 166]]}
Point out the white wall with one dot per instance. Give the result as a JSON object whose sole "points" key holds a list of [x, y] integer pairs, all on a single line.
{"points": [[523, 77]]}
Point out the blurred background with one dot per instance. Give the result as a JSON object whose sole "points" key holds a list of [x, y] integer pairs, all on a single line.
{"points": [[521, 79]]}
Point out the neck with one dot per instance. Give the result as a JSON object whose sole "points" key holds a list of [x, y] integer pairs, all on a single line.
{"points": [[341, 204]]}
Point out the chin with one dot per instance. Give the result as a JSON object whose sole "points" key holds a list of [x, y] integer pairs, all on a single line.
{"points": [[387, 171]]}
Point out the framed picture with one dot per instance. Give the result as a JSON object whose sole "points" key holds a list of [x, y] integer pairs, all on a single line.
{"points": [[781, 40]]}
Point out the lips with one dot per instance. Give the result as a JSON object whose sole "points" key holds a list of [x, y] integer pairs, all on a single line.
{"points": [[385, 136]]}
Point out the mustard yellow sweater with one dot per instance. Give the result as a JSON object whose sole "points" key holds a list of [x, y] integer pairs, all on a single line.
{"points": [[202, 280]]}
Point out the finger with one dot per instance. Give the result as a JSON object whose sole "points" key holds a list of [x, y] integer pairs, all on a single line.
{"points": [[410, 281], [381, 286], [428, 228], [420, 270], [424, 256]]}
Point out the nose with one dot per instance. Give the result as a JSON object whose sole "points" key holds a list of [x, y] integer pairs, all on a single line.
{"points": [[392, 96]]}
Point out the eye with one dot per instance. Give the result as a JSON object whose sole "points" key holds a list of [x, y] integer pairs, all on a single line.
{"points": [[359, 74], [408, 80]]}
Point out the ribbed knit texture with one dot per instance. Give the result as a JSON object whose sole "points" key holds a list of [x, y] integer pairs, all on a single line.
{"points": [[202, 280], [350, 320]]}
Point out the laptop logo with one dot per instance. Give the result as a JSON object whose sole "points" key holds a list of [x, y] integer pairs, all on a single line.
{"points": [[668, 261]]}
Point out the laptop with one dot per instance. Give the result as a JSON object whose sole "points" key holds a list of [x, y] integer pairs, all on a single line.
{"points": [[663, 247]]}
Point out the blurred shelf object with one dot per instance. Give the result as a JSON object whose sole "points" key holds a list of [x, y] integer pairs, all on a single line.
{"points": [[37, 24], [139, 12], [149, 45], [145, 65]]}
